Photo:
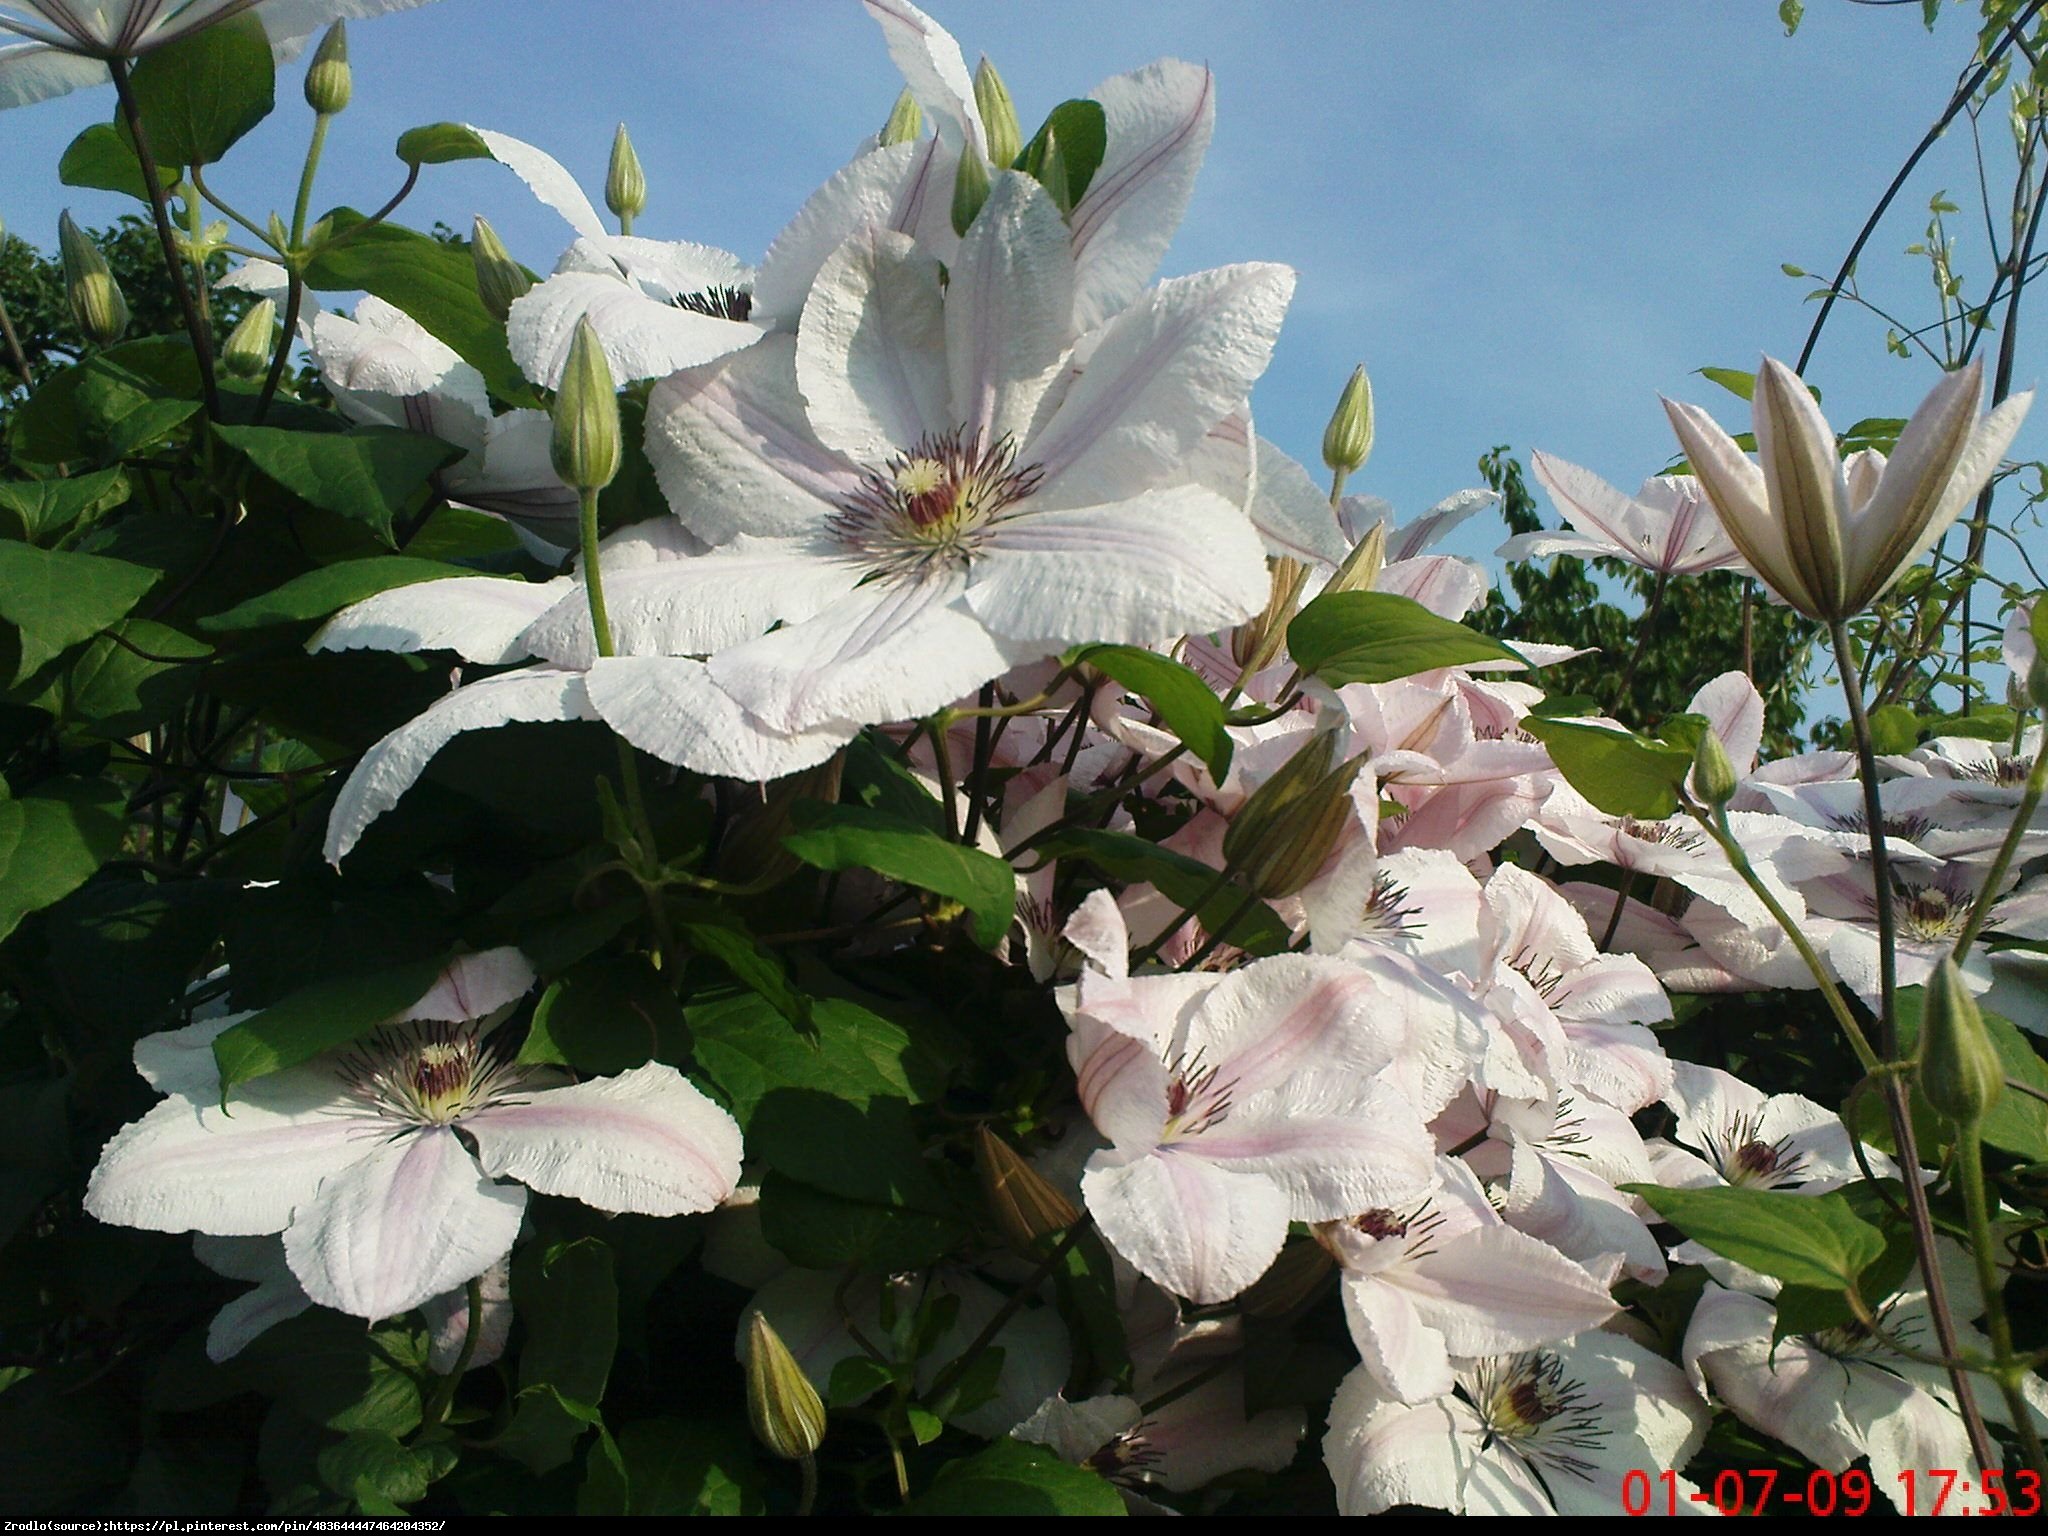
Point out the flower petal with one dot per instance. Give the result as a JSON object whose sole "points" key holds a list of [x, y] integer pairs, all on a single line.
{"points": [[670, 708], [869, 190], [479, 618], [547, 178], [642, 337], [871, 351], [933, 69], [475, 985], [1009, 294], [1203, 1232]]}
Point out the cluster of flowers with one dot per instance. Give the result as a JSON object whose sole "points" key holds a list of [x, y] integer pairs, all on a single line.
{"points": [[933, 442]]}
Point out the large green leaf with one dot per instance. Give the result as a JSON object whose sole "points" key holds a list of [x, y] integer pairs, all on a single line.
{"points": [[1803, 1240], [318, 1018], [39, 508], [1185, 702], [51, 841], [108, 405], [1254, 926], [316, 594], [1378, 637], [837, 837], [721, 935], [371, 474], [56, 598], [432, 282], [690, 1467], [201, 93], [2018, 1122], [102, 158], [1620, 772], [568, 1299], [607, 1015], [1016, 1477], [135, 676]]}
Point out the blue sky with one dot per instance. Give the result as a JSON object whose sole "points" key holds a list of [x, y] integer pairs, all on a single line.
{"points": [[1527, 220]]}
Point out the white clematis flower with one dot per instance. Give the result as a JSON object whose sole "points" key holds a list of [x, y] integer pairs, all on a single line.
{"points": [[1667, 527], [356, 1159], [1551, 1431], [922, 497]]}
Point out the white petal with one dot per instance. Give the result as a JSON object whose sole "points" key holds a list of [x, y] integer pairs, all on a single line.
{"points": [[1158, 121], [390, 768], [933, 69], [1293, 514], [1382, 1453], [413, 1219], [180, 1061], [1286, 1015], [475, 985], [1143, 571], [642, 337], [1163, 372], [1008, 298], [1201, 1231], [871, 351], [548, 178], [670, 708], [644, 1141], [480, 618], [31, 73], [1374, 1156], [448, 1322], [1735, 710], [862, 193], [1494, 1290], [1403, 1353]]}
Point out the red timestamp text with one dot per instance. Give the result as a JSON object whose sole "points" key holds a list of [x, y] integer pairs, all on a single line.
{"points": [[1934, 1491]]}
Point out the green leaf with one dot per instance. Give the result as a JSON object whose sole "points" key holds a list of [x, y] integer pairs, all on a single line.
{"points": [[569, 1301], [102, 158], [1989, 722], [816, 1230], [1791, 13], [1254, 926], [318, 1018], [713, 931], [432, 282], [328, 590], [691, 1467], [1083, 134], [1894, 728], [855, 1379], [1015, 1477], [51, 841], [39, 508], [441, 143], [1620, 772], [748, 1051], [1185, 703], [607, 1015], [201, 93], [462, 535], [2017, 1123], [837, 837], [369, 474], [872, 773], [119, 688], [1739, 382], [57, 598], [1806, 1240], [373, 1466], [81, 412], [331, 1370], [1378, 637]]}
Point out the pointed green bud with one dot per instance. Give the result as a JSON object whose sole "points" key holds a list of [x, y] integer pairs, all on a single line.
{"points": [[998, 116], [500, 280], [1713, 775], [252, 343], [1281, 836], [328, 81], [1347, 440], [586, 447], [1361, 569], [906, 120], [970, 190], [1027, 1208], [1960, 1071], [783, 1408], [625, 184], [1254, 644], [279, 237], [97, 303]]}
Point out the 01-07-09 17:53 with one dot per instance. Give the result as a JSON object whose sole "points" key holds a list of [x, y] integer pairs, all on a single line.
{"points": [[1821, 1492]]}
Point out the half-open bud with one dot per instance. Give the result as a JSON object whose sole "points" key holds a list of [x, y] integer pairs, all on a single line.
{"points": [[329, 84], [1255, 643], [1361, 569], [625, 183], [1960, 1071], [998, 116], [500, 281], [1029, 1210], [252, 343], [586, 447], [783, 1408], [97, 304], [1287, 829]]}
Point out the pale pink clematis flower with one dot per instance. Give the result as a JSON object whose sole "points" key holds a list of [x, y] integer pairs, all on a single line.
{"points": [[1668, 527], [355, 1155]]}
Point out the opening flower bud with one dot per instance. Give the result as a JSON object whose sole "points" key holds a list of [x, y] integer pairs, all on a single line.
{"points": [[625, 184], [1361, 569], [1027, 1208], [970, 190], [1713, 775], [586, 446], [998, 116], [98, 306], [500, 281], [1347, 440], [905, 122], [329, 85], [1285, 832], [783, 1408], [1960, 1070], [1254, 645], [252, 343]]}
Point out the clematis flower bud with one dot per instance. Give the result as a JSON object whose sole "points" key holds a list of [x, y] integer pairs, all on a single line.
{"points": [[1025, 1206], [500, 281], [1713, 775], [970, 190], [586, 446], [1361, 569], [905, 122], [1831, 538], [1052, 175], [251, 344], [329, 84], [998, 116], [783, 1408], [1285, 832], [1295, 1278], [1347, 440], [1254, 644], [1960, 1071], [625, 184], [97, 303]]}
